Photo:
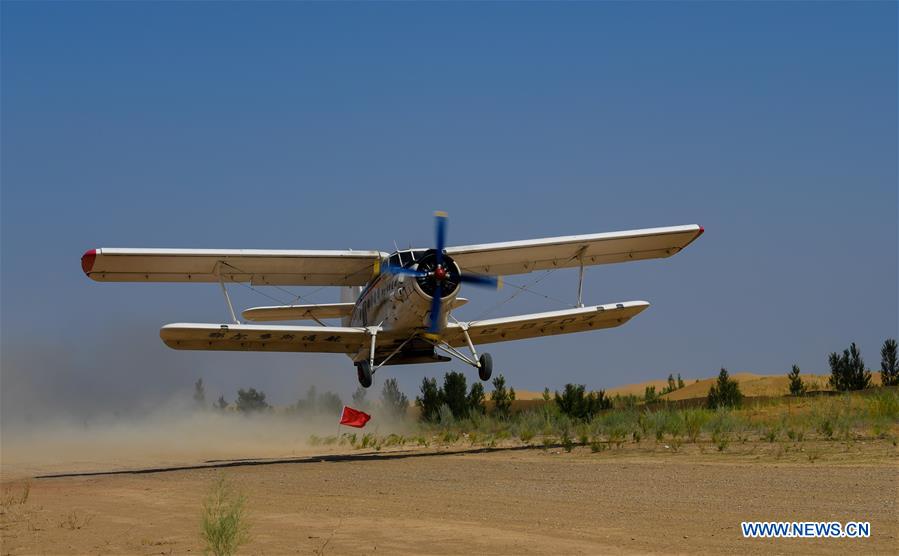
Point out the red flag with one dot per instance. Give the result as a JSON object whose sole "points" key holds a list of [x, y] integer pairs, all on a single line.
{"points": [[353, 417]]}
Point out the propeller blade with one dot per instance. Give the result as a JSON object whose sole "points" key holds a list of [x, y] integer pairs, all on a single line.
{"points": [[441, 234], [484, 281], [393, 269], [434, 329]]}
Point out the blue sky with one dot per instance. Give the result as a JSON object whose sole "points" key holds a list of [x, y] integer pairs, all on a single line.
{"points": [[295, 125]]}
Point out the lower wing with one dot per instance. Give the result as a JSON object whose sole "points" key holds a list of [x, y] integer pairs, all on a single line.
{"points": [[250, 337], [551, 323]]}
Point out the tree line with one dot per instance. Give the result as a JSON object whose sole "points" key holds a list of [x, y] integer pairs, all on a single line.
{"points": [[393, 402]]}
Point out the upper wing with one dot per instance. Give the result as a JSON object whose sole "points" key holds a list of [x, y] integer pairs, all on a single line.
{"points": [[250, 337], [544, 324], [518, 257], [260, 267]]}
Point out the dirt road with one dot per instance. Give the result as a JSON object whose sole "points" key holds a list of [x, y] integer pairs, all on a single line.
{"points": [[630, 500]]}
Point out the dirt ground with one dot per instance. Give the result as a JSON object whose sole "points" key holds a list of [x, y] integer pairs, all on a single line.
{"points": [[464, 500]]}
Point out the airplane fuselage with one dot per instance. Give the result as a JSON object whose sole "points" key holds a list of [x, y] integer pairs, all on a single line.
{"points": [[395, 302]]}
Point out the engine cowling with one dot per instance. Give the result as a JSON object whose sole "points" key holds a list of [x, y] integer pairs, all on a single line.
{"points": [[447, 274]]}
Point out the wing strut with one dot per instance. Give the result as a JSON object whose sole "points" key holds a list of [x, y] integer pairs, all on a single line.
{"points": [[580, 279], [225, 292]]}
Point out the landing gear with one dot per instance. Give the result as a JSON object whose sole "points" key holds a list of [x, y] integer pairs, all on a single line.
{"points": [[485, 366], [363, 373]]}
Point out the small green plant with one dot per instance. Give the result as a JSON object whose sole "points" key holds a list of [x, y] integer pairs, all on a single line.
{"points": [[722, 442], [12, 499], [547, 441], [567, 442], [526, 434], [314, 440], [825, 427], [73, 521], [224, 528]]}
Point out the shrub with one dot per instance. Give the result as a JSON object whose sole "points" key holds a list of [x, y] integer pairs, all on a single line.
{"points": [[694, 419], [725, 392], [889, 368], [445, 415], [649, 394], [224, 527], [797, 387], [847, 371]]}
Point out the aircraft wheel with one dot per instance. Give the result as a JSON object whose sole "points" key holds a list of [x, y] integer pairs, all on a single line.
{"points": [[363, 373], [486, 368]]}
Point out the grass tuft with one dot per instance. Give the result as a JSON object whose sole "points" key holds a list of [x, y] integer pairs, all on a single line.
{"points": [[224, 528]]}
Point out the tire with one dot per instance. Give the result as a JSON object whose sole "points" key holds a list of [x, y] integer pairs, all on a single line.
{"points": [[363, 373], [486, 368]]}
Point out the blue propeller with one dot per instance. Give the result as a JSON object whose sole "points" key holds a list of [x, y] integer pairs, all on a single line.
{"points": [[440, 273]]}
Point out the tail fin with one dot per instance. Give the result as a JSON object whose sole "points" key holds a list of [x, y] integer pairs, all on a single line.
{"points": [[349, 294]]}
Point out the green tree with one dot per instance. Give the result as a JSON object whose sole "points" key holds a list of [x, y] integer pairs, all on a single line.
{"points": [[359, 401], [251, 400], [329, 403], [307, 405], [672, 385], [430, 400], [797, 386], [576, 402], [725, 392], [889, 368], [221, 404], [394, 402], [199, 394], [680, 382], [649, 394], [546, 394], [847, 370], [455, 394], [502, 397], [476, 399]]}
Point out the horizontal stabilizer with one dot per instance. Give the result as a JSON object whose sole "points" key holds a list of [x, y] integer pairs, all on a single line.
{"points": [[299, 312]]}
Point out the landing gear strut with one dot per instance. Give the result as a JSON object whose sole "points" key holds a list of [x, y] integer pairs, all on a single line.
{"points": [[363, 373]]}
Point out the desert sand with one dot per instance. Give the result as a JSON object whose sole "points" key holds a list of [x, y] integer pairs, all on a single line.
{"points": [[639, 498]]}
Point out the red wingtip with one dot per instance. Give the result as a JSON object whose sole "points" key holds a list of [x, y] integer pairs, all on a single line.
{"points": [[87, 260], [701, 230]]}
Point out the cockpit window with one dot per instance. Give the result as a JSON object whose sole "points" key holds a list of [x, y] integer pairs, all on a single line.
{"points": [[406, 258]]}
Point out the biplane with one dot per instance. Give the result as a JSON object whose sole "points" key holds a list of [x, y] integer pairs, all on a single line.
{"points": [[395, 308]]}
